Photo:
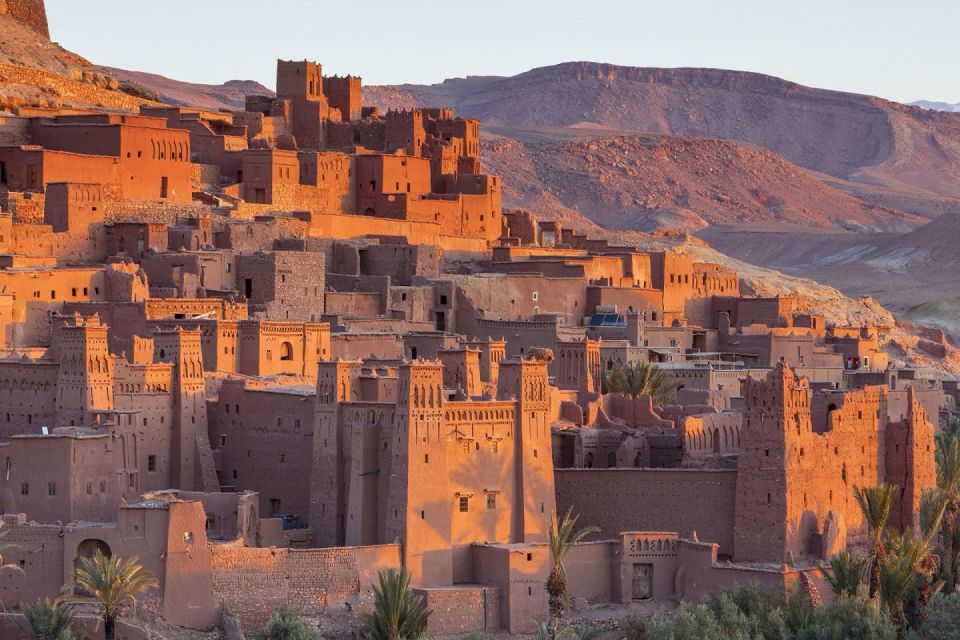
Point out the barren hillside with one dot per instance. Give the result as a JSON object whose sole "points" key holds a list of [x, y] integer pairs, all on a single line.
{"points": [[650, 181], [229, 95]]}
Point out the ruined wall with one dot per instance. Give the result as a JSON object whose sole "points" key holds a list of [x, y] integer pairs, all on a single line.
{"points": [[256, 582], [682, 500]]}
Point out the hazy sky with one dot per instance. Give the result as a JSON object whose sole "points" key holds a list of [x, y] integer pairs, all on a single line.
{"points": [[899, 49]]}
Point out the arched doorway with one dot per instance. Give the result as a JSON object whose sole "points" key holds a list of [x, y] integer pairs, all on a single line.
{"points": [[87, 549], [588, 461]]}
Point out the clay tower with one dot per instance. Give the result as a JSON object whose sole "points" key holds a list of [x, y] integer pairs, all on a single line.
{"points": [[420, 499]]}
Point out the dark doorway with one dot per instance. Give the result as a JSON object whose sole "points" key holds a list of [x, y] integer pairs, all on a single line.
{"points": [[248, 288], [642, 581], [441, 321]]}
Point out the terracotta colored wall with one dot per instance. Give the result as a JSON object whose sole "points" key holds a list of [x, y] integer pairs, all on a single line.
{"points": [[685, 500], [256, 582]]}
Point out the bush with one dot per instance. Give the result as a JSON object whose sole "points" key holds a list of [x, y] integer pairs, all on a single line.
{"points": [[943, 617], [634, 627], [287, 624], [753, 614]]}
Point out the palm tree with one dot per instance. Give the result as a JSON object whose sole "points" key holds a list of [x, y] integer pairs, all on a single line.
{"points": [[847, 573], [562, 535], [50, 619], [398, 614], [933, 505], [637, 378], [875, 504], [900, 577], [113, 583], [948, 481]]}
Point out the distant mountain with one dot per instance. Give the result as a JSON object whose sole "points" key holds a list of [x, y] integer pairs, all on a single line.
{"points": [[858, 138], [230, 95], [937, 106]]}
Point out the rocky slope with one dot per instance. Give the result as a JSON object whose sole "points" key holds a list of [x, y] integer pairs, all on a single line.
{"points": [[36, 72], [902, 271], [229, 95], [650, 181]]}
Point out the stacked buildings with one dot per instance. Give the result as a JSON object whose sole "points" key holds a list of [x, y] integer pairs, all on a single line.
{"points": [[273, 351]]}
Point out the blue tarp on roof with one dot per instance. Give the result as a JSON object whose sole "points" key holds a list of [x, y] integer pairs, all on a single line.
{"points": [[607, 320]]}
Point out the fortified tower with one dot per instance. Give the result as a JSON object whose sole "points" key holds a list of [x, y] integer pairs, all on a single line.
{"points": [[189, 439], [527, 381], [776, 411], [32, 13], [85, 379], [910, 462], [420, 502], [336, 384]]}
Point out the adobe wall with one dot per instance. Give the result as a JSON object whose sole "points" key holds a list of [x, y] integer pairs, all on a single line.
{"points": [[461, 609], [256, 582], [682, 500], [712, 434], [38, 550]]}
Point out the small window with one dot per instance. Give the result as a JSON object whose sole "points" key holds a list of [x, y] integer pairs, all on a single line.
{"points": [[89, 488], [494, 447], [464, 504], [223, 440], [491, 501], [151, 463], [536, 296], [296, 423], [443, 299], [51, 488], [103, 487], [24, 488], [188, 537]]}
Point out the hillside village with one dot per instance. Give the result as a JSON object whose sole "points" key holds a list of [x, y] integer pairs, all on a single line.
{"points": [[273, 351]]}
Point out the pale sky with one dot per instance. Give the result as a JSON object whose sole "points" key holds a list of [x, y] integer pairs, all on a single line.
{"points": [[899, 49]]}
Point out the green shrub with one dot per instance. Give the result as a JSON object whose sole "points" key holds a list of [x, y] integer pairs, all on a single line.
{"points": [[943, 617], [287, 624]]}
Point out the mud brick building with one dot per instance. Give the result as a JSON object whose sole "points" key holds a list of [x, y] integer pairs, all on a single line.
{"points": [[275, 350]]}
